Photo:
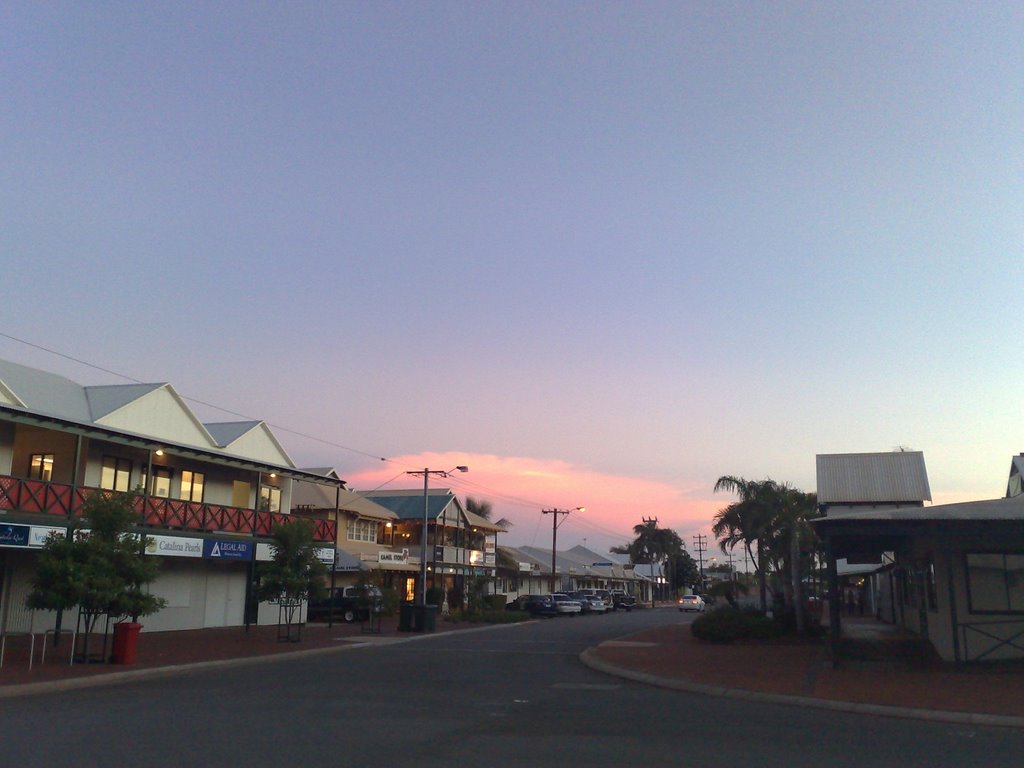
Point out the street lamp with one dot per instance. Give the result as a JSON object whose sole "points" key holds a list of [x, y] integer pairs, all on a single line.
{"points": [[554, 533], [426, 516]]}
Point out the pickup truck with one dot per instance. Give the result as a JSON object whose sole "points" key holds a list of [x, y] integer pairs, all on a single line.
{"points": [[345, 603], [622, 599]]}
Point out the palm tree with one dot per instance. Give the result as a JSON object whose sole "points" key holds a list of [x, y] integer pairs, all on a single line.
{"points": [[748, 521], [479, 507]]}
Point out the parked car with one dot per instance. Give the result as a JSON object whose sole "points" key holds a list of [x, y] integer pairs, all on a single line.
{"points": [[601, 594], [346, 603], [691, 603], [588, 603], [565, 604], [539, 605], [597, 605], [622, 599]]}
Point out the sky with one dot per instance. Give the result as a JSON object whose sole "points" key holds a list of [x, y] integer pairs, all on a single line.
{"points": [[601, 253]]}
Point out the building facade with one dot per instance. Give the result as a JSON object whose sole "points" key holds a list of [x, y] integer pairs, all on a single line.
{"points": [[208, 495]]}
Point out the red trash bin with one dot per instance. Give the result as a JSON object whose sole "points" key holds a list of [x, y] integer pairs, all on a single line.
{"points": [[126, 642]]}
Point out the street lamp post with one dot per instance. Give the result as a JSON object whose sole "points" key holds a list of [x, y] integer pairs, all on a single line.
{"points": [[554, 533], [426, 472]]}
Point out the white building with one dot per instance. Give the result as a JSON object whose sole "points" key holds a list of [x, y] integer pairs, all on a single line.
{"points": [[209, 494]]}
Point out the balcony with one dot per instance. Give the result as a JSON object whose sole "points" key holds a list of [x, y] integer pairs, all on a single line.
{"points": [[34, 497]]}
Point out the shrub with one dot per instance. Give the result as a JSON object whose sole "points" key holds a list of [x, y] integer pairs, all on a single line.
{"points": [[496, 602], [727, 624]]}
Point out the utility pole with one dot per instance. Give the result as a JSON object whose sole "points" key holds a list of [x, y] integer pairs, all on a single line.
{"points": [[700, 543], [554, 533]]}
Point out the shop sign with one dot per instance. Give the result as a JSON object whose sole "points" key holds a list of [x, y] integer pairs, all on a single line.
{"points": [[216, 549], [174, 546], [393, 557], [525, 567], [40, 533], [325, 555], [475, 557], [489, 559], [12, 535]]}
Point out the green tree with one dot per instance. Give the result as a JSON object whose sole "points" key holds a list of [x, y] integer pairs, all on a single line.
{"points": [[294, 574], [748, 522], [102, 568], [479, 507], [660, 546]]}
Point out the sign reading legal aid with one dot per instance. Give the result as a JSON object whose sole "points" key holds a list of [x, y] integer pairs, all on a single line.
{"points": [[217, 549]]}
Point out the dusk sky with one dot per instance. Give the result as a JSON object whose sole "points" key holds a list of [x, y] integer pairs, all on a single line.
{"points": [[602, 253]]}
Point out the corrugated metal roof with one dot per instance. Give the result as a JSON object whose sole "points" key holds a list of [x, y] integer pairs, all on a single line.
{"points": [[872, 478], [44, 392], [408, 505], [970, 511]]}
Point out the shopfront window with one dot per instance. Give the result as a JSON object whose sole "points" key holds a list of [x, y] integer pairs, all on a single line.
{"points": [[995, 582]]}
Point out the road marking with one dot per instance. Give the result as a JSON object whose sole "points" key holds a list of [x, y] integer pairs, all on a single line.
{"points": [[586, 687]]}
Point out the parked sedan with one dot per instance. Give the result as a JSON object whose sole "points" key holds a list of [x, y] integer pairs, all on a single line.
{"points": [[539, 605], [691, 603], [597, 605], [565, 604]]}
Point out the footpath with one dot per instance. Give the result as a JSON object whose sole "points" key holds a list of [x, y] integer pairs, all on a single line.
{"points": [[783, 672], [801, 673]]}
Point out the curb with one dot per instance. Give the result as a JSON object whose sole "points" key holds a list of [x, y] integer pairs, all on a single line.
{"points": [[157, 673], [590, 658]]}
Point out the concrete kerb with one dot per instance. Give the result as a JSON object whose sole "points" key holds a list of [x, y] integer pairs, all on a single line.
{"points": [[590, 658], [157, 673]]}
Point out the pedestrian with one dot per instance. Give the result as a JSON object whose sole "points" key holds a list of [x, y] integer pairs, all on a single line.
{"points": [[850, 600]]}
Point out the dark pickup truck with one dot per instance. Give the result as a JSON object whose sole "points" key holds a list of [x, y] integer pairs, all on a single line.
{"points": [[622, 599], [345, 603]]}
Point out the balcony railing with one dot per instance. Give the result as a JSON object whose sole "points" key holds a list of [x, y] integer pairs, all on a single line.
{"points": [[34, 497]]}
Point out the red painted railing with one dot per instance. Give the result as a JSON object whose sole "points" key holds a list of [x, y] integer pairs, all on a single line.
{"points": [[35, 497]]}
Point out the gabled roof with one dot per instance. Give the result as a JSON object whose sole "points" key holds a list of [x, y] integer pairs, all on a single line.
{"points": [[250, 438], [226, 432], [104, 400], [482, 522], [1015, 483], [149, 409], [44, 392], [408, 504], [147, 415], [896, 477], [321, 497]]}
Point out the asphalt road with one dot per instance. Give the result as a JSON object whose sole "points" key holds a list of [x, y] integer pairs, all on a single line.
{"points": [[507, 696]]}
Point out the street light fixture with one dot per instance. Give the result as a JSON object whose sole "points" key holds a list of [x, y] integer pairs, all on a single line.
{"points": [[426, 472], [554, 533]]}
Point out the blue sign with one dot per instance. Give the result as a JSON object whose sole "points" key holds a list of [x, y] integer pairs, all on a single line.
{"points": [[215, 549], [14, 535]]}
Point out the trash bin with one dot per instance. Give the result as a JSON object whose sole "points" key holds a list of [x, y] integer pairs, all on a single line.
{"points": [[405, 617], [126, 642], [429, 620]]}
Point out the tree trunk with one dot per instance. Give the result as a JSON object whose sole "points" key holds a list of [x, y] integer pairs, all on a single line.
{"points": [[794, 559]]}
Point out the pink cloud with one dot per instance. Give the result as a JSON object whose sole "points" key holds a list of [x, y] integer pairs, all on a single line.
{"points": [[520, 487]]}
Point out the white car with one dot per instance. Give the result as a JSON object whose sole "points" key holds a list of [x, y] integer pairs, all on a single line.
{"points": [[691, 603], [565, 604]]}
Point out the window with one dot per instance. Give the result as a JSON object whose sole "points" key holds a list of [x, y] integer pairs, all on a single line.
{"points": [[995, 582], [270, 499], [116, 474], [40, 466], [192, 485], [362, 530], [161, 482]]}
